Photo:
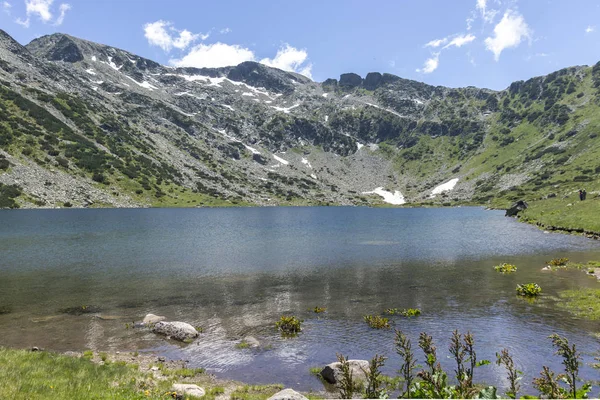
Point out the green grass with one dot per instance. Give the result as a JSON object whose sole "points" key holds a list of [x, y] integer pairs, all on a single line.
{"points": [[242, 345], [44, 375], [557, 212], [255, 392], [583, 303]]}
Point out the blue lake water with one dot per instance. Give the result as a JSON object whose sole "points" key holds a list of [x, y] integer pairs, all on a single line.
{"points": [[235, 271]]}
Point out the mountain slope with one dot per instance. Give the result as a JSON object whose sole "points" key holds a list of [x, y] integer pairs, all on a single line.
{"points": [[88, 124]]}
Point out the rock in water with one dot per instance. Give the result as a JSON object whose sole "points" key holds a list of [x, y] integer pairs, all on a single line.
{"points": [[287, 394], [516, 208], [188, 389], [332, 372], [176, 330], [152, 319], [251, 341]]}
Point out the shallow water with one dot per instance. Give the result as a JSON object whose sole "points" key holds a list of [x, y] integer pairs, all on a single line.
{"points": [[235, 271]]}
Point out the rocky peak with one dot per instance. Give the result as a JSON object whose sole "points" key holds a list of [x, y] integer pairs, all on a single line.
{"points": [[373, 80], [350, 80], [260, 75], [8, 43]]}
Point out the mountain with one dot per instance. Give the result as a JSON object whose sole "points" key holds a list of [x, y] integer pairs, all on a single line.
{"points": [[84, 124]]}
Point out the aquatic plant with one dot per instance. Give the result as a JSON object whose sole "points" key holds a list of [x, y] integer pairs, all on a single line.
{"points": [[528, 289], [558, 262], [505, 268], [318, 310], [404, 350], [377, 322], [289, 325], [373, 389], [80, 310], [346, 384], [434, 384], [407, 312], [504, 358]]}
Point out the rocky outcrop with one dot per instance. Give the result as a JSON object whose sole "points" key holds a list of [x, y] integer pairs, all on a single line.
{"points": [[176, 330], [287, 394], [350, 80], [332, 372], [516, 208], [372, 80], [188, 389]]}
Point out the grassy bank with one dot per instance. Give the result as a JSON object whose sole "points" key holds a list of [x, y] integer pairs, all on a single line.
{"points": [[46, 375]]}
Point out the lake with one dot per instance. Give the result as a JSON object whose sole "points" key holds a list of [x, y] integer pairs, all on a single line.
{"points": [[235, 271]]}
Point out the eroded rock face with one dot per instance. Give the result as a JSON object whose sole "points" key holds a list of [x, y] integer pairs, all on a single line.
{"points": [[287, 394], [176, 330], [372, 80], [188, 389], [516, 208], [332, 372], [350, 80]]}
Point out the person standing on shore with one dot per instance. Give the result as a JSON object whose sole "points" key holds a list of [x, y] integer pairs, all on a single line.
{"points": [[584, 193], [580, 195]]}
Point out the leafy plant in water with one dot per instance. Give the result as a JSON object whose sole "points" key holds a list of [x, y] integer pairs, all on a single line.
{"points": [[407, 312], [374, 378], [404, 350], [529, 289], [504, 358], [289, 325], [558, 262], [505, 268], [377, 322], [347, 385], [434, 378], [319, 310], [462, 348]]}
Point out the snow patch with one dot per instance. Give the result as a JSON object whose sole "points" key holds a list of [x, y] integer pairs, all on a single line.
{"points": [[94, 58], [395, 198], [252, 149], [325, 95], [313, 176], [359, 145], [90, 71], [326, 118], [228, 106], [112, 64], [248, 94], [285, 110], [306, 162], [444, 187], [281, 160], [144, 84]]}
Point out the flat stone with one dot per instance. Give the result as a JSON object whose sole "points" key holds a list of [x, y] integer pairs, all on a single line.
{"points": [[251, 341], [189, 389], [152, 319], [287, 394]]}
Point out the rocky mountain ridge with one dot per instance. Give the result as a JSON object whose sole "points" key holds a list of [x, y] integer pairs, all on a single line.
{"points": [[91, 125]]}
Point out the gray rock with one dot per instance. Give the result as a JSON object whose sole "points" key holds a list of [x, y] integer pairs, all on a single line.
{"points": [[516, 208], [189, 389], [332, 372], [251, 341], [350, 80], [176, 330], [287, 394], [152, 319]]}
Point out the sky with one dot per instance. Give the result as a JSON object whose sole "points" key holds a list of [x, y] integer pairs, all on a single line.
{"points": [[456, 43]]}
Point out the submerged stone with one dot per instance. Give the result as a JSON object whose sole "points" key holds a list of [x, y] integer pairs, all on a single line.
{"points": [[176, 330]]}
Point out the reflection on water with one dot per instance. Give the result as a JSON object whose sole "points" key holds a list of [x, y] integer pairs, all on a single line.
{"points": [[235, 271]]}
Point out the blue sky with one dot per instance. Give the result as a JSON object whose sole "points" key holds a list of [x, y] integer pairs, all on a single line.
{"points": [[483, 43]]}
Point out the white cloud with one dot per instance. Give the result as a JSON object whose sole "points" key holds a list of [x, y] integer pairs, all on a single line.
{"points": [[508, 33], [289, 58], [164, 35], [41, 8], [460, 40], [64, 7], [487, 14], [225, 31], [431, 64], [219, 54], [6, 6], [590, 29], [214, 56], [436, 43]]}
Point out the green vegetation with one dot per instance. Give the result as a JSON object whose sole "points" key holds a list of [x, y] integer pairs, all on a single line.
{"points": [[242, 345], [43, 375], [255, 392], [8, 194], [558, 262], [505, 268], [318, 310], [528, 289], [583, 303], [407, 312], [377, 322], [289, 325]]}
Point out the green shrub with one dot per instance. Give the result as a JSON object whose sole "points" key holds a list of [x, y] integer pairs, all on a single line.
{"points": [[318, 310], [289, 325], [529, 289], [558, 262], [407, 312], [505, 268], [377, 322]]}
